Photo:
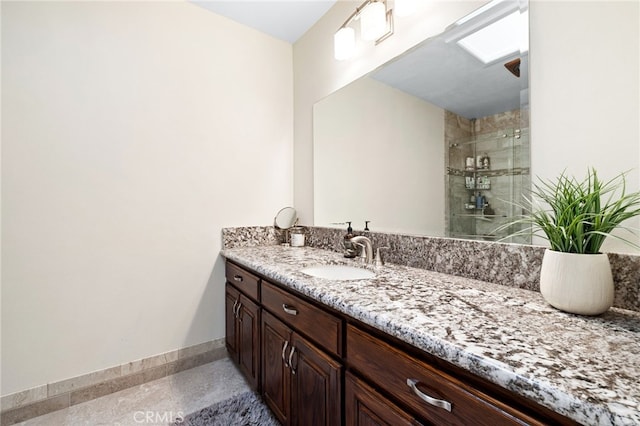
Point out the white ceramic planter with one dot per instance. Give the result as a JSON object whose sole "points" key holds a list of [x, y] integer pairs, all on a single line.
{"points": [[577, 283]]}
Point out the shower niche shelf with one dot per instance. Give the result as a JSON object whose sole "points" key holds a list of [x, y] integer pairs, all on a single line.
{"points": [[500, 175]]}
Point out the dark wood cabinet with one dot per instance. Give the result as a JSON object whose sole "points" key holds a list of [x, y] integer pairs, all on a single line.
{"points": [[276, 386], [242, 324], [366, 407], [324, 328], [300, 382], [315, 386], [249, 341], [244, 281], [231, 300], [293, 350], [431, 394]]}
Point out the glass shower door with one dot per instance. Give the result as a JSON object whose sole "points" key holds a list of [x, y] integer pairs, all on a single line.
{"points": [[487, 176]]}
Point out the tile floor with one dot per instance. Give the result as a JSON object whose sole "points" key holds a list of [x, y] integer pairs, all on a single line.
{"points": [[154, 403]]}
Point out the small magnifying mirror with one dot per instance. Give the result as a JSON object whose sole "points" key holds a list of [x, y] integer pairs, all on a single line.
{"points": [[286, 218]]}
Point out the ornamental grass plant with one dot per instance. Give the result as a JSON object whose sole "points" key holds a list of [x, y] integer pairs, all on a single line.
{"points": [[577, 216]]}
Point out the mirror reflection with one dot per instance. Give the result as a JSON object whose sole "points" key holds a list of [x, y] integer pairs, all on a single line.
{"points": [[436, 141], [286, 218]]}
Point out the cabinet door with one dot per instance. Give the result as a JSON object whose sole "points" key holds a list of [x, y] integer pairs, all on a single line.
{"points": [[276, 339], [249, 340], [232, 298], [315, 386], [365, 407]]}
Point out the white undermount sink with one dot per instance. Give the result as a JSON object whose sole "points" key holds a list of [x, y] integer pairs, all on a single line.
{"points": [[338, 272]]}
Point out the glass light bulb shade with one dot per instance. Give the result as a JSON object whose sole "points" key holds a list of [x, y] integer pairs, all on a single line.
{"points": [[373, 21], [344, 43], [404, 7]]}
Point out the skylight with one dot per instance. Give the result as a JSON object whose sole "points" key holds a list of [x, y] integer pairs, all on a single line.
{"points": [[496, 41]]}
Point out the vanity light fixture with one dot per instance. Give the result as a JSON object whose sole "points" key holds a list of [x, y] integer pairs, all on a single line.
{"points": [[373, 21], [376, 23], [404, 7]]}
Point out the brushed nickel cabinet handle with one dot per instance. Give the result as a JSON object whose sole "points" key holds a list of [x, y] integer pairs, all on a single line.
{"points": [[237, 278], [284, 349], [238, 311], [293, 349], [289, 310], [236, 307], [426, 398]]}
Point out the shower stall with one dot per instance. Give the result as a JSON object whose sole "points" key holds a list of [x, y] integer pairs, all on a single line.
{"points": [[487, 176]]}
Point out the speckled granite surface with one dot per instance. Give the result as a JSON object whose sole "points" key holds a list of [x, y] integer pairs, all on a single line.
{"points": [[586, 368], [511, 265], [249, 236]]}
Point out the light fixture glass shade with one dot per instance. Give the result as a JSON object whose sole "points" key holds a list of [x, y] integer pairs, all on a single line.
{"points": [[373, 21], [404, 7], [344, 43]]}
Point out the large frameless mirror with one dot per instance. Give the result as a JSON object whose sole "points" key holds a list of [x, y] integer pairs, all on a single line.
{"points": [[395, 146]]}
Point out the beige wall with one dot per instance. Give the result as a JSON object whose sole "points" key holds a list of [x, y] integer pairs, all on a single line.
{"points": [[371, 146], [132, 133], [584, 84], [585, 91]]}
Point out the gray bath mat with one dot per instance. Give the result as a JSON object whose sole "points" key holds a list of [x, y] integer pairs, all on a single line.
{"points": [[246, 409]]}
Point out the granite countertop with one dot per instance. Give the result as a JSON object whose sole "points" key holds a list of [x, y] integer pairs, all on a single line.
{"points": [[586, 368]]}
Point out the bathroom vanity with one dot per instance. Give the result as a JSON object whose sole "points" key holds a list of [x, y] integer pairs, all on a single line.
{"points": [[412, 346]]}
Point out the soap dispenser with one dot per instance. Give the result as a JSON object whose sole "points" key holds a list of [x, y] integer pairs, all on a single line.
{"points": [[350, 250], [366, 232]]}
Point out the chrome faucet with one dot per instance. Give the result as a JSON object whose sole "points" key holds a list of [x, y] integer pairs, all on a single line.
{"points": [[367, 247]]}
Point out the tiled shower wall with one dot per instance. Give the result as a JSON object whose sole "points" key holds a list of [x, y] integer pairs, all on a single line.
{"points": [[503, 190]]}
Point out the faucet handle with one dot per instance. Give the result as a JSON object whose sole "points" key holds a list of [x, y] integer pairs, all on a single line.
{"points": [[379, 261], [363, 251]]}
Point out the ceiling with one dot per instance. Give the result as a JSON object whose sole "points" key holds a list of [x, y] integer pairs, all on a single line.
{"points": [[436, 71], [286, 20], [443, 73]]}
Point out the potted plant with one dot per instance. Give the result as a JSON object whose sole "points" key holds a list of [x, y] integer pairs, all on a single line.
{"points": [[575, 217]]}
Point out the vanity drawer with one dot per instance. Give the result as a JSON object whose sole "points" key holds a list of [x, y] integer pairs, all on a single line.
{"points": [[322, 327], [449, 401], [243, 280]]}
